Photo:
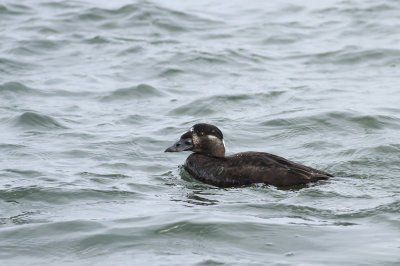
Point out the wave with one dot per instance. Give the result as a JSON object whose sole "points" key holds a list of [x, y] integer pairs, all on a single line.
{"points": [[138, 15], [17, 88], [14, 9], [140, 91], [10, 66], [32, 120], [61, 196], [222, 103], [334, 120], [354, 55]]}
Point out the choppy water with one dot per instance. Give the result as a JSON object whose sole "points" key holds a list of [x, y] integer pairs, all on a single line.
{"points": [[91, 93]]}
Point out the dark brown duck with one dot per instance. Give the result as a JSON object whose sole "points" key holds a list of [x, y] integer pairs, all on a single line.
{"points": [[209, 164]]}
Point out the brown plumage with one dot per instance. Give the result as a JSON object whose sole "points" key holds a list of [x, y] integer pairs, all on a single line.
{"points": [[209, 164], [250, 167]]}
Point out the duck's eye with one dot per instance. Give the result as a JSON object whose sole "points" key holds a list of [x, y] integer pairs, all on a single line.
{"points": [[188, 142]]}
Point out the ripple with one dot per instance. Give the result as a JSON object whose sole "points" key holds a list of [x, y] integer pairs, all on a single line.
{"points": [[171, 72], [17, 89], [352, 56], [345, 120], [14, 9], [42, 45], [97, 40], [31, 120], [140, 91], [26, 173], [210, 105], [62, 196], [10, 66], [131, 50]]}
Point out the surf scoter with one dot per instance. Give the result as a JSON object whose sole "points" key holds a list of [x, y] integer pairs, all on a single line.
{"points": [[209, 164]]}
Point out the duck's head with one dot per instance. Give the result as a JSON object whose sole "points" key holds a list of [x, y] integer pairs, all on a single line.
{"points": [[201, 138]]}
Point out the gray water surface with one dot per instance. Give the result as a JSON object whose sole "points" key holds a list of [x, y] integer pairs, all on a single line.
{"points": [[92, 92]]}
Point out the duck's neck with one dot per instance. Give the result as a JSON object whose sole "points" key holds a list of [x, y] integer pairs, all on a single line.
{"points": [[218, 150], [214, 149]]}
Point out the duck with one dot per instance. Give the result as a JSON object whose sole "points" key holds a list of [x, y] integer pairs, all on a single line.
{"points": [[208, 163]]}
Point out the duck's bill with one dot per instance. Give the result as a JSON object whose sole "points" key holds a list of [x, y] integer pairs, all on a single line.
{"points": [[181, 145]]}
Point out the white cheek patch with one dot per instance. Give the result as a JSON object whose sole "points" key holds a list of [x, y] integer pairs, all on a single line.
{"points": [[191, 129], [195, 139], [211, 137], [215, 139]]}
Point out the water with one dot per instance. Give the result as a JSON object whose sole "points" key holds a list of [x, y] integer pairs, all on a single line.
{"points": [[92, 92]]}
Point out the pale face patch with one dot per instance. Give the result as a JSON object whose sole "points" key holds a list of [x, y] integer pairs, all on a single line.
{"points": [[195, 139], [215, 140], [212, 138]]}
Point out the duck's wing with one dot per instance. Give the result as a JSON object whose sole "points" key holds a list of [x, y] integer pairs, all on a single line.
{"points": [[250, 167], [213, 171], [274, 170]]}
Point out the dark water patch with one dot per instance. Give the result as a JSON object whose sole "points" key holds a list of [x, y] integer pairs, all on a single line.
{"points": [[10, 66], [362, 10], [120, 166], [207, 58], [61, 5], [77, 153], [165, 41], [392, 207], [376, 121], [352, 56], [318, 145], [25, 173], [31, 241], [141, 91], [24, 51], [14, 9], [17, 89], [224, 103], [246, 56], [42, 45], [141, 14], [373, 122], [279, 39], [32, 120], [133, 120], [6, 146], [346, 121], [199, 109], [169, 25], [47, 30], [26, 217], [102, 13], [91, 15], [106, 176], [198, 199], [97, 40], [304, 211], [131, 50], [168, 19], [354, 10], [109, 25], [62, 196], [170, 72]]}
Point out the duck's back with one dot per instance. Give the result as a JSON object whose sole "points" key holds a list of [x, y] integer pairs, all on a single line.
{"points": [[250, 167]]}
